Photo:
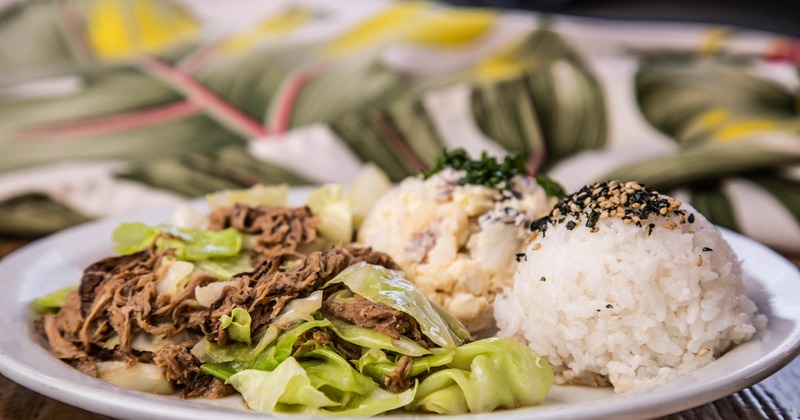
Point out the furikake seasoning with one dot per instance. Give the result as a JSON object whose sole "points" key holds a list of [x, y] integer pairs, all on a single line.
{"points": [[632, 202]]}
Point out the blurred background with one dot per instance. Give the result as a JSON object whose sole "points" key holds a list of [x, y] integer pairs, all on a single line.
{"points": [[110, 106], [776, 16]]}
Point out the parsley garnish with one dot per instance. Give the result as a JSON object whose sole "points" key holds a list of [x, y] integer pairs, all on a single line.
{"points": [[485, 171], [551, 187]]}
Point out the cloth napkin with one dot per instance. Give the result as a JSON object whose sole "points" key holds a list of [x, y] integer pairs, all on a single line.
{"points": [[110, 106]]}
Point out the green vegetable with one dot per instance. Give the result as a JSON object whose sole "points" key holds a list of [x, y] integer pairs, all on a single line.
{"points": [[53, 301], [551, 187], [220, 370], [226, 267], [279, 390], [237, 324], [133, 237], [334, 212], [189, 244], [381, 285], [198, 244], [375, 364], [241, 354], [283, 348], [274, 195], [486, 171], [298, 310], [329, 370], [323, 383], [483, 376]]}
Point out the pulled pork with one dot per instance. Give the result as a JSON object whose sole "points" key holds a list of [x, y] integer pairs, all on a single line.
{"points": [[184, 369], [378, 317], [281, 230], [118, 297], [266, 290]]}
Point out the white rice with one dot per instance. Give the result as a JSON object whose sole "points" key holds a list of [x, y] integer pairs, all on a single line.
{"points": [[625, 306]]}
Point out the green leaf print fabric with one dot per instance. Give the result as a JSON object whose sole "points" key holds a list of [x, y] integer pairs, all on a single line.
{"points": [[111, 106]]}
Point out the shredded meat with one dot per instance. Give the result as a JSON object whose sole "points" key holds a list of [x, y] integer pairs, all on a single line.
{"points": [[118, 297], [266, 290], [399, 379], [375, 316], [180, 366], [94, 275], [281, 229], [62, 331]]}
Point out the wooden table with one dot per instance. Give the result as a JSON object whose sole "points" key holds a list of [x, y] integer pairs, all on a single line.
{"points": [[777, 397]]}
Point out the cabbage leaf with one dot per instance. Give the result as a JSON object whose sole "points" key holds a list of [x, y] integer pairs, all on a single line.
{"points": [[189, 244], [274, 195], [334, 212], [226, 267], [381, 285], [237, 324], [376, 364], [483, 376], [280, 389], [241, 354], [52, 301]]}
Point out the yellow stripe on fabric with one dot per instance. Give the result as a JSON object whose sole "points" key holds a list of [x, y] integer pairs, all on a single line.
{"points": [[714, 117], [416, 23], [280, 24], [391, 21], [504, 65], [452, 27], [121, 28], [738, 130]]}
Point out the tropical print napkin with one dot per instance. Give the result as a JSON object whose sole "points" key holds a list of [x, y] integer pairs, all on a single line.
{"points": [[110, 106]]}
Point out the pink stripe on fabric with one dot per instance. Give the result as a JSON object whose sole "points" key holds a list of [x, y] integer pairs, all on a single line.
{"points": [[115, 123], [288, 97], [224, 112]]}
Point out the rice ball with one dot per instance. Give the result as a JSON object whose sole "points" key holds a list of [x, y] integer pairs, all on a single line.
{"points": [[457, 243], [622, 285]]}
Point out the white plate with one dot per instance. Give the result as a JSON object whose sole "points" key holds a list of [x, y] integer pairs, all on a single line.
{"points": [[46, 265]]}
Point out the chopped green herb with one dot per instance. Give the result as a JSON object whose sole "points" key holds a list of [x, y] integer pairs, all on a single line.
{"points": [[485, 171], [542, 279], [551, 187]]}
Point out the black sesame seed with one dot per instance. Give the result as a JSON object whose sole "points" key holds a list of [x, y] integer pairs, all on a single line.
{"points": [[650, 228], [609, 306], [571, 225], [707, 249], [690, 218], [519, 256]]}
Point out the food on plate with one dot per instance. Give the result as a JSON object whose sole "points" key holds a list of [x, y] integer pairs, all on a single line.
{"points": [[620, 284], [455, 231], [271, 301]]}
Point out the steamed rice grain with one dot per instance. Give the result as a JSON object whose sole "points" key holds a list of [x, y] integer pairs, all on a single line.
{"points": [[625, 303]]}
